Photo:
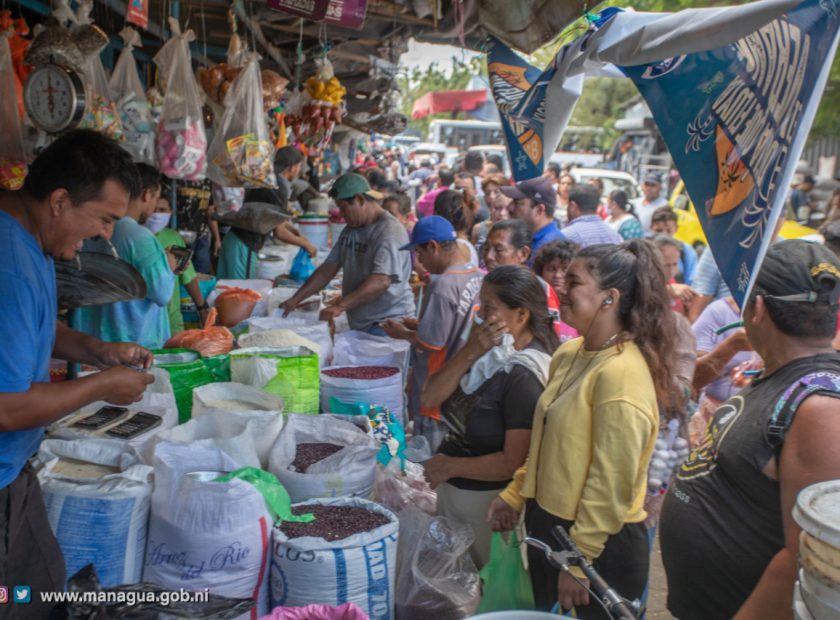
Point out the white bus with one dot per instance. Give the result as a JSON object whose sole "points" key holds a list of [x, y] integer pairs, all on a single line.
{"points": [[464, 134]]}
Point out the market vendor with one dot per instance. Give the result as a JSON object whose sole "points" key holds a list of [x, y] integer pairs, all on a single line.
{"points": [[375, 285], [78, 188]]}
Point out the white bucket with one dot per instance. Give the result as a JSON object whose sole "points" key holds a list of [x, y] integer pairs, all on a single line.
{"points": [[817, 512], [822, 600], [335, 232], [800, 611], [317, 229]]}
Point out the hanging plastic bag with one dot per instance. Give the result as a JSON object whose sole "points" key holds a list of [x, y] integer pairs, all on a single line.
{"points": [[396, 490], [12, 157], [241, 153], [506, 582], [181, 139], [101, 112], [437, 578], [209, 341], [132, 105], [302, 266]]}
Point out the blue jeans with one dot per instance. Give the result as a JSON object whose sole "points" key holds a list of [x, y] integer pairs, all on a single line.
{"points": [[201, 253], [376, 330]]}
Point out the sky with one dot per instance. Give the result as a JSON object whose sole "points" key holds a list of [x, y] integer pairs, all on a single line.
{"points": [[423, 54]]}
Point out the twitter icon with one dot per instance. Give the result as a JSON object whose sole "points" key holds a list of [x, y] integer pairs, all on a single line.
{"points": [[22, 594]]}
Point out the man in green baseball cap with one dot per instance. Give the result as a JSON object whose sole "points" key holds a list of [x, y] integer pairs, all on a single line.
{"points": [[375, 283]]}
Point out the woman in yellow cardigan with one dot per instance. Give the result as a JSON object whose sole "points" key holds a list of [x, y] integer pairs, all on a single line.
{"points": [[595, 425]]}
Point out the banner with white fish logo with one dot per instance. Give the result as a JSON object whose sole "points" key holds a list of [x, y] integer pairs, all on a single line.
{"points": [[735, 120]]}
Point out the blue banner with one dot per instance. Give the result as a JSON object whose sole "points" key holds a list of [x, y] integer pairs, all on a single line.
{"points": [[511, 79], [735, 120]]}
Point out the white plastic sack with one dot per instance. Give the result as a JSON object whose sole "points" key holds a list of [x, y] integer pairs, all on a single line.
{"points": [[289, 372], [99, 519], [263, 287], [355, 348], [158, 399], [359, 569], [205, 534], [318, 332], [236, 436], [348, 472], [387, 392]]}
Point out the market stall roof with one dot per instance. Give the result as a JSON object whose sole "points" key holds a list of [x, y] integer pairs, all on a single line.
{"points": [[448, 101]]}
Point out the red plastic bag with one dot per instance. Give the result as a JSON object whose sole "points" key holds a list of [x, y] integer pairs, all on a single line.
{"points": [[236, 304], [212, 340], [239, 294]]}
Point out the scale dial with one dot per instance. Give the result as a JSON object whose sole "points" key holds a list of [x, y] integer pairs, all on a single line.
{"points": [[54, 98]]}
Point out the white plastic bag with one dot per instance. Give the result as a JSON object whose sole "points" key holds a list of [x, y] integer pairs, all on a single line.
{"points": [[181, 138], [318, 333], [348, 472], [97, 518], [235, 435], [133, 107], [359, 569], [242, 154], [289, 372], [205, 534], [387, 391], [355, 348]]}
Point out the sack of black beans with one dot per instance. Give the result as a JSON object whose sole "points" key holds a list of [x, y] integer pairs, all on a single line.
{"points": [[347, 554], [321, 456], [372, 385], [207, 534]]}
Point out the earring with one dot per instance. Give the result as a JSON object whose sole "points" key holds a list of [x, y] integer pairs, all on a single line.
{"points": [[607, 302]]}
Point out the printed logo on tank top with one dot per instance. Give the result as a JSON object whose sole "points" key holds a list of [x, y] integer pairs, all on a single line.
{"points": [[703, 458]]}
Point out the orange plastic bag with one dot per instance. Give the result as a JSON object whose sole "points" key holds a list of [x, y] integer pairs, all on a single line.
{"points": [[212, 340], [236, 304]]}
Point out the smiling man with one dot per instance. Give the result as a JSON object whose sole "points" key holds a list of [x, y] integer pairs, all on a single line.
{"points": [[78, 188], [375, 285]]}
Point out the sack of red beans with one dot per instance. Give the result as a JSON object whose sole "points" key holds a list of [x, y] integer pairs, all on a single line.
{"points": [[347, 554], [373, 385]]}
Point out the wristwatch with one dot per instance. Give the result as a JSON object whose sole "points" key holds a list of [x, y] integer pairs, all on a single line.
{"points": [[205, 306]]}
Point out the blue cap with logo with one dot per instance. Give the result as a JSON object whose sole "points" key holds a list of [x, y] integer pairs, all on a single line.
{"points": [[431, 228]]}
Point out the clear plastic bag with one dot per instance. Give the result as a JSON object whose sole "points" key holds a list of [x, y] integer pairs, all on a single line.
{"points": [[396, 490], [12, 155], [242, 153], [133, 107], [436, 577], [181, 138], [101, 112]]}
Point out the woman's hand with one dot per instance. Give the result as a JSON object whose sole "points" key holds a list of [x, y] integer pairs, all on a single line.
{"points": [[437, 470], [570, 593], [486, 336], [501, 516]]}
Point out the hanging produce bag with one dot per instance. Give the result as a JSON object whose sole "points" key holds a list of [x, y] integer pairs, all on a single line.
{"points": [[241, 154], [132, 105], [302, 267], [12, 158], [186, 374], [101, 112], [289, 372], [506, 582], [181, 139]]}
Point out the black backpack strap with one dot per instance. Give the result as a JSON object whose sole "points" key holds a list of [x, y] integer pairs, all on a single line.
{"points": [[824, 383]]}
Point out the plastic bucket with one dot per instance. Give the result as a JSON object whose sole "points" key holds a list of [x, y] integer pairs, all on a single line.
{"points": [[822, 601], [335, 231], [800, 610], [316, 228], [817, 512]]}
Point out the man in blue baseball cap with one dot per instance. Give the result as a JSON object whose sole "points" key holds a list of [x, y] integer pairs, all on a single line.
{"points": [[534, 201], [448, 302]]}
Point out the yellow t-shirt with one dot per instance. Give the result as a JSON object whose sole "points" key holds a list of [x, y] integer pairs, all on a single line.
{"points": [[591, 444]]}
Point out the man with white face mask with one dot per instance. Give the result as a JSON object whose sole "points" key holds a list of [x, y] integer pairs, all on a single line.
{"points": [[158, 223], [144, 321]]}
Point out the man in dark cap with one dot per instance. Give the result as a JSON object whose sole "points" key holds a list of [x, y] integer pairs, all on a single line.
{"points": [[288, 163], [651, 200], [534, 201], [375, 274], [729, 541]]}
